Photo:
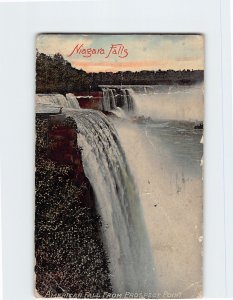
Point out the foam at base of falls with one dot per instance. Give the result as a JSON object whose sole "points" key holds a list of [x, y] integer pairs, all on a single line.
{"points": [[119, 112], [167, 102], [125, 236], [168, 178], [159, 102]]}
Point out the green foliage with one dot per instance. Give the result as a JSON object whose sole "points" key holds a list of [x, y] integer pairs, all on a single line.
{"points": [[56, 75]]}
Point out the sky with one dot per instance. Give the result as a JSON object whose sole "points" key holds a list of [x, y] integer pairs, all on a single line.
{"points": [[128, 53]]}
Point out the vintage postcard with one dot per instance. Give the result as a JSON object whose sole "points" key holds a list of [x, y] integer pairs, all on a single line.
{"points": [[119, 156]]}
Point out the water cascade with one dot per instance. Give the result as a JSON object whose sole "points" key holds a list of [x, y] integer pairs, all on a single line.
{"points": [[107, 153], [57, 100], [125, 236], [72, 101], [118, 100], [108, 100]]}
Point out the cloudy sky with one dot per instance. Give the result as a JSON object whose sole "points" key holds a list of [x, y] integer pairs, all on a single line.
{"points": [[142, 52]]}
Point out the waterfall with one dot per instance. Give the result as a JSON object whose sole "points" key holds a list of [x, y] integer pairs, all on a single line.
{"points": [[58, 100], [112, 98], [109, 102], [106, 101], [130, 100], [125, 100], [159, 102], [72, 101], [107, 153], [117, 101], [124, 234]]}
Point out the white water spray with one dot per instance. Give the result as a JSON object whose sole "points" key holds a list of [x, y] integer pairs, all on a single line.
{"points": [[125, 236], [169, 102]]}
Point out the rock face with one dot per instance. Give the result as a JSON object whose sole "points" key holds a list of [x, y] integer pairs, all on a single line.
{"points": [[70, 256], [62, 144], [90, 100]]}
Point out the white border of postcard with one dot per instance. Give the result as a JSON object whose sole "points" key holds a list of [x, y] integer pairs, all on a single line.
{"points": [[20, 22]]}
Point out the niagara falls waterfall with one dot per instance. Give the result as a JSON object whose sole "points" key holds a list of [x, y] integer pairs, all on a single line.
{"points": [[184, 103], [125, 236], [118, 101], [143, 159], [58, 100]]}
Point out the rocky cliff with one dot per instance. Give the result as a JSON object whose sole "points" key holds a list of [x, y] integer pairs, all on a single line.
{"points": [[70, 256]]}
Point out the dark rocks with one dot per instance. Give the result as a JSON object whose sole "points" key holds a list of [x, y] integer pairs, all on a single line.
{"points": [[90, 100], [199, 126], [70, 256]]}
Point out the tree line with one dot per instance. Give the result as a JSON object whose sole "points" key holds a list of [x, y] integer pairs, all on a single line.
{"points": [[54, 74]]}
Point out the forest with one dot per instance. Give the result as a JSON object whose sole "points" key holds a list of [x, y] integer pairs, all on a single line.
{"points": [[54, 74]]}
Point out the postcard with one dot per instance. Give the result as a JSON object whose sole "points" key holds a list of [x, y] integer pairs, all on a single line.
{"points": [[119, 158]]}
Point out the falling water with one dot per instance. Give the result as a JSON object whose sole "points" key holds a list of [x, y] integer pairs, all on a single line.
{"points": [[155, 169], [72, 101], [125, 100], [130, 100], [118, 101], [57, 100], [124, 233], [164, 153], [106, 100], [125, 236], [109, 100]]}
